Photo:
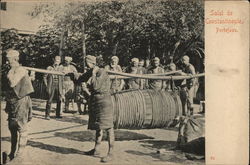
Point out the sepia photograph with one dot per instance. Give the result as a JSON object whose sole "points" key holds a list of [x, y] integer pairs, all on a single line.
{"points": [[102, 81]]}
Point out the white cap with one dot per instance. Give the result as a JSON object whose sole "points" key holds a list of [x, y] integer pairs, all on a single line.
{"points": [[114, 58], [67, 58], [135, 60], [156, 59], [186, 58]]}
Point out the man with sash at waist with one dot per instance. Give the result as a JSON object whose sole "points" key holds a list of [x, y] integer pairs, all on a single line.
{"points": [[68, 84], [116, 85], [54, 86], [155, 68], [100, 107], [18, 107]]}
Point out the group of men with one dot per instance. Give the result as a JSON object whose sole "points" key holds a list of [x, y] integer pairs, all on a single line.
{"points": [[68, 88], [94, 86]]}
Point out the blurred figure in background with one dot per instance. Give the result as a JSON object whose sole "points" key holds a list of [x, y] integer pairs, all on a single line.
{"points": [[147, 64], [142, 70], [170, 84], [68, 84]]}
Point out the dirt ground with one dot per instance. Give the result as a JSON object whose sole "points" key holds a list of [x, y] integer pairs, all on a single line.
{"points": [[63, 141]]}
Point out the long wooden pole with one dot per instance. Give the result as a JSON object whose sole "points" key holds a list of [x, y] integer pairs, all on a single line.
{"points": [[145, 76], [124, 75], [44, 71]]}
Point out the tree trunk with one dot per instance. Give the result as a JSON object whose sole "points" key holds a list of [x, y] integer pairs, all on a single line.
{"points": [[83, 45], [115, 48], [149, 50]]}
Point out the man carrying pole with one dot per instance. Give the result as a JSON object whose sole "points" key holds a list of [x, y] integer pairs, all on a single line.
{"points": [[18, 106]]}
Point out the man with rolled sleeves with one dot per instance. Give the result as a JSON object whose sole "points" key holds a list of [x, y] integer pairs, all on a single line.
{"points": [[18, 106], [188, 69], [54, 86]]}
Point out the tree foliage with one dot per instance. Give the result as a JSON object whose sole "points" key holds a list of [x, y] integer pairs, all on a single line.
{"points": [[130, 28]]}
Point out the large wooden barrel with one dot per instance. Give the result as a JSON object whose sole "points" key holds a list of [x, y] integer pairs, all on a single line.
{"points": [[145, 108]]}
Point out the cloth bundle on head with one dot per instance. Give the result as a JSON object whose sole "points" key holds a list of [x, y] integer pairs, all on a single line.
{"points": [[91, 59], [67, 58], [12, 53]]}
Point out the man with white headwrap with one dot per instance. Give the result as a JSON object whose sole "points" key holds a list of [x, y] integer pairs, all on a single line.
{"points": [[18, 106]]}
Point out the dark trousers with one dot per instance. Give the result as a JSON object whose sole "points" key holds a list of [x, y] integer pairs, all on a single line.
{"points": [[19, 136], [54, 93]]}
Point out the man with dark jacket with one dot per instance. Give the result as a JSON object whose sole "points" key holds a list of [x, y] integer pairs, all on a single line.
{"points": [[54, 84]]}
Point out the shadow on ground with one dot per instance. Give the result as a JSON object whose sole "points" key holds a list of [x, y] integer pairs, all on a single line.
{"points": [[90, 135], [168, 155], [158, 144], [52, 148], [70, 119], [48, 147]]}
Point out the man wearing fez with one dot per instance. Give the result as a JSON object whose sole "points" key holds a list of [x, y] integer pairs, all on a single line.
{"points": [[154, 69], [100, 107], [68, 84], [189, 86], [116, 85], [18, 106], [54, 87]]}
